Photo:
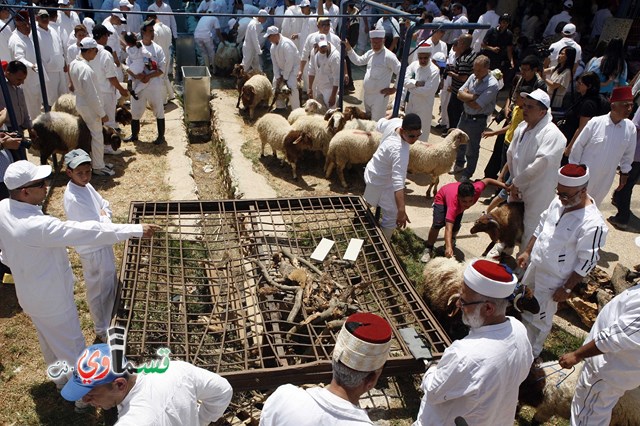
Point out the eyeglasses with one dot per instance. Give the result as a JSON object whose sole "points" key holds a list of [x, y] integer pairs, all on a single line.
{"points": [[40, 184], [565, 196], [463, 303], [413, 136]]}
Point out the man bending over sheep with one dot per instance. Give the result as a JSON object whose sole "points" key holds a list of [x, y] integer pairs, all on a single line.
{"points": [[478, 376], [448, 206], [612, 359], [386, 172], [563, 249]]}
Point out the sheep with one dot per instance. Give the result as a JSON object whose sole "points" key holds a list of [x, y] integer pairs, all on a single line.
{"points": [[60, 132], [272, 129], [340, 120], [227, 55], [436, 160], [67, 103], [349, 147], [281, 92], [550, 389], [308, 133], [255, 91], [241, 78], [504, 226], [310, 107], [352, 112]]}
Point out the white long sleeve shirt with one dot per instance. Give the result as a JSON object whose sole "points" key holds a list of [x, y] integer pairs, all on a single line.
{"points": [[381, 66], [34, 247], [67, 24], [253, 39], [554, 21], [21, 47], [83, 203], [162, 37], [104, 67], [285, 58], [206, 28], [430, 74], [326, 70], [568, 242], [617, 334], [52, 50], [134, 20], [307, 50], [182, 395], [603, 146], [5, 35], [86, 85], [478, 377], [491, 18], [291, 406], [168, 20], [388, 166]]}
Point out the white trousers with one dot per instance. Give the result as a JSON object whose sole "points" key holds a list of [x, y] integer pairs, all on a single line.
{"points": [[294, 98], [386, 200], [32, 94], [207, 50], [99, 271], [594, 398], [376, 104], [109, 101], [539, 325], [250, 59], [445, 95], [168, 89], [423, 106], [56, 86], [97, 139], [155, 96], [60, 338]]}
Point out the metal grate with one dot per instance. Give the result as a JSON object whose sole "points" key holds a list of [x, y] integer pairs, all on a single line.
{"points": [[210, 288]]}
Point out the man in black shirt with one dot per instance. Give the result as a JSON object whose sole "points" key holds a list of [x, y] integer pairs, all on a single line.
{"points": [[498, 46], [460, 73]]}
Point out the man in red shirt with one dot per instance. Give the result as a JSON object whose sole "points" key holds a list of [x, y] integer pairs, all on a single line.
{"points": [[448, 206]]}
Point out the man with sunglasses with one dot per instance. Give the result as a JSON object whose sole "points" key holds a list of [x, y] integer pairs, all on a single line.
{"points": [[564, 249], [606, 142], [34, 246], [478, 377], [386, 172]]}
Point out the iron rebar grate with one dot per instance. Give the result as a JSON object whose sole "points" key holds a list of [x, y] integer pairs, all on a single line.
{"points": [[214, 289]]}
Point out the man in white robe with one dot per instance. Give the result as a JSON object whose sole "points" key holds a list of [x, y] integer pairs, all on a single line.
{"points": [[253, 42], [382, 64], [421, 83], [478, 376], [490, 17], [362, 348], [53, 56], [606, 142], [324, 73], [169, 20], [309, 48], [284, 57], [22, 49], [533, 158], [67, 20], [562, 251]]}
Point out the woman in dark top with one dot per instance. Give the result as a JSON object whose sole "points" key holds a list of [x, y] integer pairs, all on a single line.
{"points": [[590, 104]]}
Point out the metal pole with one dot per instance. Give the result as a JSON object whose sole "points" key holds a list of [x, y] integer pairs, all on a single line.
{"points": [[7, 101], [36, 46], [407, 47], [343, 53]]}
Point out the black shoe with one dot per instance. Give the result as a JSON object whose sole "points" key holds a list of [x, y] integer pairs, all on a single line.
{"points": [[160, 139], [616, 224], [135, 129]]}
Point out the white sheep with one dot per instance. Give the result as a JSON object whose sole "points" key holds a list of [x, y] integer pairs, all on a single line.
{"points": [[556, 392], [227, 55], [436, 159], [443, 277], [255, 91], [65, 103], [310, 107], [272, 129], [349, 147]]}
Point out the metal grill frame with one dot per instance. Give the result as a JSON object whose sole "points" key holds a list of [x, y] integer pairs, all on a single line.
{"points": [[158, 278]]}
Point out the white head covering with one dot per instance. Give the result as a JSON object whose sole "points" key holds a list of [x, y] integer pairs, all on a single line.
{"points": [[490, 279], [363, 343], [424, 48], [573, 175], [376, 34]]}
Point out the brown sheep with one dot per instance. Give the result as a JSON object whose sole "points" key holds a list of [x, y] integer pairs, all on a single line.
{"points": [[295, 143], [352, 112], [255, 91], [504, 226], [241, 78], [283, 92]]}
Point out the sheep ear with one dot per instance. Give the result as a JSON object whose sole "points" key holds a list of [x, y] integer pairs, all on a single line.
{"points": [[298, 140]]}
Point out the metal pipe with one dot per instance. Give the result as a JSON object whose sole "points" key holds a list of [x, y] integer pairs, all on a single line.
{"points": [[407, 47], [8, 103], [36, 47], [343, 53]]}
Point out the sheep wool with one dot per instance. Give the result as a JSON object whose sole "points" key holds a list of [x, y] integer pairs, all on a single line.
{"points": [[350, 147], [272, 129], [255, 91]]}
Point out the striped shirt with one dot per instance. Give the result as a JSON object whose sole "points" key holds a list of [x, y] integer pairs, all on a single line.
{"points": [[463, 66]]}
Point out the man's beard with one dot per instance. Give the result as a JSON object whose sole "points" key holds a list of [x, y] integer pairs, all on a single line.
{"points": [[474, 319]]}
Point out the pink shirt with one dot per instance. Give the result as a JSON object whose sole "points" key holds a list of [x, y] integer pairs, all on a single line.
{"points": [[448, 196]]}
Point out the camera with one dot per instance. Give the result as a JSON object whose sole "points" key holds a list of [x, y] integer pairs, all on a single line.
{"points": [[25, 143], [541, 50]]}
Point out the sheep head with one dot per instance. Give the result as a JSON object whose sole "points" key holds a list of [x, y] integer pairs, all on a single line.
{"points": [[458, 137], [304, 141], [123, 116], [311, 106], [111, 137], [526, 301], [248, 95], [238, 71], [285, 90], [487, 223], [352, 112], [335, 122]]}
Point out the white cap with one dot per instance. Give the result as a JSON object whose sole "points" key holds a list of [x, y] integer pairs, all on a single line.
{"points": [[424, 48], [305, 3], [88, 43], [124, 3], [232, 22], [538, 95], [89, 23], [573, 175], [22, 172], [568, 3], [322, 42], [569, 29], [363, 342], [490, 279], [63, 2], [376, 34], [272, 30], [117, 13], [321, 38], [263, 12], [440, 58]]}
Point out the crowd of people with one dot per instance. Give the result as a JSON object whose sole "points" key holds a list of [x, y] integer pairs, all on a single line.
{"points": [[567, 132]]}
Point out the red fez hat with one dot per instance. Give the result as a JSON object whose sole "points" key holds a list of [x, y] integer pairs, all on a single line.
{"points": [[363, 343], [573, 175], [23, 15], [4, 65], [621, 94], [490, 279], [369, 327]]}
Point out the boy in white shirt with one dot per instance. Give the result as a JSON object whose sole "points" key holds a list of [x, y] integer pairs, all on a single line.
{"points": [[81, 203]]}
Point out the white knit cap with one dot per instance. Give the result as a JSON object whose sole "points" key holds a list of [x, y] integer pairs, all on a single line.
{"points": [[573, 175], [424, 48], [490, 279], [363, 343], [376, 34], [272, 30]]}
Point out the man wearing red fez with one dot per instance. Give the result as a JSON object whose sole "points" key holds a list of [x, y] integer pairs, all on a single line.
{"points": [[611, 357], [362, 348], [564, 249], [606, 142], [478, 376]]}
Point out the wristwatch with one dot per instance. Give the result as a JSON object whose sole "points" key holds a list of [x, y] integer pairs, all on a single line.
{"points": [[567, 290]]}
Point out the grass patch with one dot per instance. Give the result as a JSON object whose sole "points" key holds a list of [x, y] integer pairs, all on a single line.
{"points": [[408, 247], [559, 343]]}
